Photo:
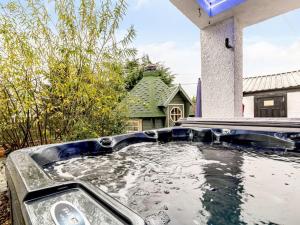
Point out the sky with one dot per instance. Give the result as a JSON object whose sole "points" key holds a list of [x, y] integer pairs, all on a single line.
{"points": [[167, 36]]}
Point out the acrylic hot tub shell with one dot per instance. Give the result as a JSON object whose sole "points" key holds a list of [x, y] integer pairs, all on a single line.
{"points": [[33, 191]]}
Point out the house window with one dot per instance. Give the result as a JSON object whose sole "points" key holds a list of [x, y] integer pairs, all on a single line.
{"points": [[175, 114], [134, 126]]}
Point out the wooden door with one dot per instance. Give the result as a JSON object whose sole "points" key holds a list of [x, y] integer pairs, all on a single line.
{"points": [[270, 106]]}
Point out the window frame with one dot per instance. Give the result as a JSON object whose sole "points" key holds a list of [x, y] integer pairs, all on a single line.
{"points": [[176, 114], [131, 127]]}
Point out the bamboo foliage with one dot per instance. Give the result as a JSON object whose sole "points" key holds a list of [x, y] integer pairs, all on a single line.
{"points": [[61, 70]]}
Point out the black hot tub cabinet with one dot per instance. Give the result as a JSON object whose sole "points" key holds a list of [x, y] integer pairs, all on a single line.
{"points": [[37, 199]]}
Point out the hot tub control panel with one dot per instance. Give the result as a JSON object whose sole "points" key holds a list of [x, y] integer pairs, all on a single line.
{"points": [[64, 213], [71, 207]]}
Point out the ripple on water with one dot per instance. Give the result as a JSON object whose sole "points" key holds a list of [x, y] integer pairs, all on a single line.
{"points": [[184, 183]]}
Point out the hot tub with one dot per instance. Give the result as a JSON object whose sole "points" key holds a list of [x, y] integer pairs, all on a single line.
{"points": [[200, 172]]}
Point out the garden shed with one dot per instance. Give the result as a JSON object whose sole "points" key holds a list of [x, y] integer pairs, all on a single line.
{"points": [[152, 104]]}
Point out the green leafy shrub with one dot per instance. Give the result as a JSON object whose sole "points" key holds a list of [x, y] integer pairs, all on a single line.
{"points": [[61, 74]]}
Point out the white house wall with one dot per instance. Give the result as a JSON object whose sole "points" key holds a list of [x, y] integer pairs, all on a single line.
{"points": [[293, 104], [249, 106]]}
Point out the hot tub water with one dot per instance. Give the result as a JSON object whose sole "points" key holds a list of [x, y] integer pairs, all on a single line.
{"points": [[192, 183]]}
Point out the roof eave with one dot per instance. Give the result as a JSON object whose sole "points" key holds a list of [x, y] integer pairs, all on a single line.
{"points": [[270, 90], [147, 116], [173, 94], [185, 95]]}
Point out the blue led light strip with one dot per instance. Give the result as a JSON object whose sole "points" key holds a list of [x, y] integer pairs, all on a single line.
{"points": [[211, 6], [215, 7]]}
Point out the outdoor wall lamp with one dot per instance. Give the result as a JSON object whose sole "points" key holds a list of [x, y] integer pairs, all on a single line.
{"points": [[227, 44]]}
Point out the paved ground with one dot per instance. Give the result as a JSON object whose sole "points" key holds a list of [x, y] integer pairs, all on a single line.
{"points": [[2, 176], [4, 206]]}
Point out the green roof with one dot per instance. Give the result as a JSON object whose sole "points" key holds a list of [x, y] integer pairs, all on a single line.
{"points": [[166, 99], [149, 96], [144, 98]]}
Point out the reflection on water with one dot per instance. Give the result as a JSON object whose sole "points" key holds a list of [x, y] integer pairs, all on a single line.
{"points": [[184, 183], [223, 199], [272, 190]]}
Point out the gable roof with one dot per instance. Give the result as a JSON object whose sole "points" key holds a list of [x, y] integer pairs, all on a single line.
{"points": [[165, 101], [148, 97], [272, 82]]}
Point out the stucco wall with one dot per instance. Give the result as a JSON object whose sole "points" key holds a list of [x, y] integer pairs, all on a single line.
{"points": [[293, 104], [248, 103], [221, 70]]}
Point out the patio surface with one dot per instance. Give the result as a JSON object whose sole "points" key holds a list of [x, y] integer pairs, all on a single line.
{"points": [[4, 206]]}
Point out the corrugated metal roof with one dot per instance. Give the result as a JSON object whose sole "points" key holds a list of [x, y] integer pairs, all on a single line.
{"points": [[272, 82]]}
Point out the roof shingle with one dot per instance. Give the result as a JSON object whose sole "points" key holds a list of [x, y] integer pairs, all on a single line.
{"points": [[144, 98], [149, 97]]}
